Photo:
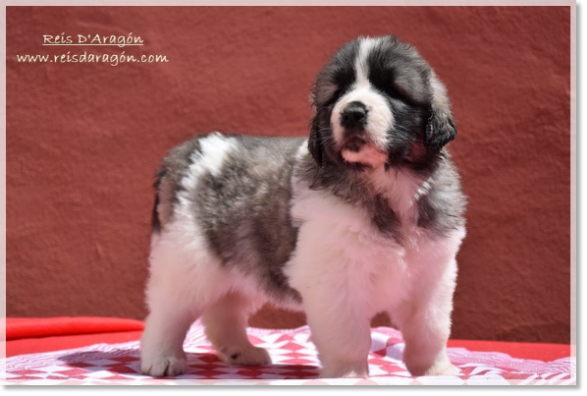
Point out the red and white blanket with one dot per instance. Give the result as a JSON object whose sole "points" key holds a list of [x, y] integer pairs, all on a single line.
{"points": [[294, 362]]}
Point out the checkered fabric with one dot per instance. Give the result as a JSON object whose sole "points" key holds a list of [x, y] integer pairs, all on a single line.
{"points": [[294, 362]]}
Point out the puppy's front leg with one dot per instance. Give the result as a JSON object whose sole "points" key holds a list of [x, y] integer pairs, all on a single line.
{"points": [[335, 310], [425, 325], [340, 332]]}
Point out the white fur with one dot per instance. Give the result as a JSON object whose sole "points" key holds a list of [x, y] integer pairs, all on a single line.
{"points": [[379, 118]]}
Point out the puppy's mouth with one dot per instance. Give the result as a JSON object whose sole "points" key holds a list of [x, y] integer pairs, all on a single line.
{"points": [[358, 150], [354, 145]]}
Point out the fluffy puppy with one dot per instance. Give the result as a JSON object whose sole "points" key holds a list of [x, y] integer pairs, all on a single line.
{"points": [[364, 216]]}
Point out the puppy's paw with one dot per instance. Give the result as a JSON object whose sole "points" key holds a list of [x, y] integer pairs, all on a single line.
{"points": [[446, 368], [342, 370], [163, 366], [442, 366], [249, 356]]}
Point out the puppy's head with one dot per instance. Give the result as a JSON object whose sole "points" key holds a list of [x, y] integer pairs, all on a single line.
{"points": [[378, 103]]}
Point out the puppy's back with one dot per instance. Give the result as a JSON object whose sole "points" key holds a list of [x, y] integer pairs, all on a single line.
{"points": [[236, 191]]}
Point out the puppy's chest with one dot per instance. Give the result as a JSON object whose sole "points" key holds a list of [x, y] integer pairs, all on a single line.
{"points": [[375, 259], [394, 246]]}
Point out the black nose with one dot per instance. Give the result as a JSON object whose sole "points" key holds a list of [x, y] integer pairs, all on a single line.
{"points": [[354, 115]]}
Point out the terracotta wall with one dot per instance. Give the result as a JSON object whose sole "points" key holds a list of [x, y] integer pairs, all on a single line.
{"points": [[83, 141]]}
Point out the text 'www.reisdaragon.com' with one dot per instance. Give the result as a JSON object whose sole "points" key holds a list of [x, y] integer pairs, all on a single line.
{"points": [[85, 57]]}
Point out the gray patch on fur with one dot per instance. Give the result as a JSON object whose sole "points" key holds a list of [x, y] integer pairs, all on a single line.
{"points": [[442, 208], [244, 210], [168, 180]]}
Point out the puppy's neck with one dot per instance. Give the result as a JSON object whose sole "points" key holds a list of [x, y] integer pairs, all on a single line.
{"points": [[399, 185]]}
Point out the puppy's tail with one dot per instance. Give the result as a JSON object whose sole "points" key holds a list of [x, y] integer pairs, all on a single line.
{"points": [[155, 220]]}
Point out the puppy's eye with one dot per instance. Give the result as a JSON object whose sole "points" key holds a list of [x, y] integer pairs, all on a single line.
{"points": [[335, 96], [393, 91]]}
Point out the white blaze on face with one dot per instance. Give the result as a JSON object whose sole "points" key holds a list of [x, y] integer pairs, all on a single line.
{"points": [[379, 116]]}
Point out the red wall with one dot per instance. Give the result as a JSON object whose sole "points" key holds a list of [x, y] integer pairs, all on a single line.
{"points": [[83, 141]]}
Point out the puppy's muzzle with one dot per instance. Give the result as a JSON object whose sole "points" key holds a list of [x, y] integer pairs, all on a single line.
{"points": [[354, 117]]}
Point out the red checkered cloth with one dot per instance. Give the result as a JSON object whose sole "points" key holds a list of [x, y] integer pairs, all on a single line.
{"points": [[294, 362]]}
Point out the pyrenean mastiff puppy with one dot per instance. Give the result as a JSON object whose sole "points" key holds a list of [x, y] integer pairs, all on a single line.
{"points": [[363, 216]]}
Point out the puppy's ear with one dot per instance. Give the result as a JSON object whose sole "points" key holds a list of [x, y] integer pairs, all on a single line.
{"points": [[440, 128], [315, 144]]}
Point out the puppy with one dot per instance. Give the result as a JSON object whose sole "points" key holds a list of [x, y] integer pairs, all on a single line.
{"points": [[364, 216]]}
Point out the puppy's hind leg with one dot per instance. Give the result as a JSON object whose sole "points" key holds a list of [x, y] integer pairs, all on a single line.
{"points": [[226, 324], [162, 341], [182, 284]]}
